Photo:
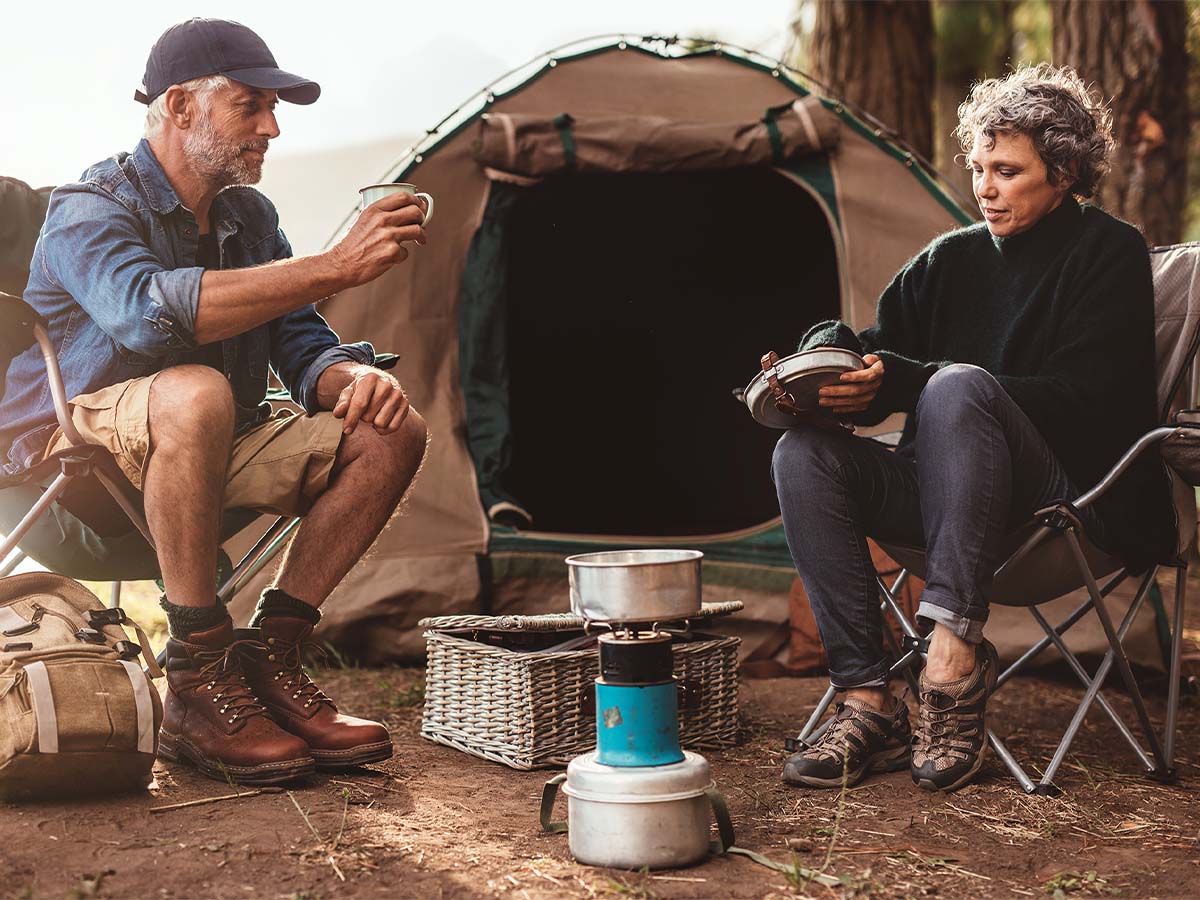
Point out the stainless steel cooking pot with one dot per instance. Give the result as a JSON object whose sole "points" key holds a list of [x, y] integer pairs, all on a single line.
{"points": [[638, 817], [635, 585]]}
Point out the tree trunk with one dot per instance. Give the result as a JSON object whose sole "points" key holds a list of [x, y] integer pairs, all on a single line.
{"points": [[1136, 54], [878, 55], [972, 40]]}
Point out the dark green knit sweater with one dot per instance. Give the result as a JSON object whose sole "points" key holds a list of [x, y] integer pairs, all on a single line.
{"points": [[1063, 316]]}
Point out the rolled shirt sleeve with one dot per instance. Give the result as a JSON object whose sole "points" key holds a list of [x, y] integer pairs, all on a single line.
{"points": [[95, 251], [305, 390]]}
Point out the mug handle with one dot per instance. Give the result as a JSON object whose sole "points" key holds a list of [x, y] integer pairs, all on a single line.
{"points": [[428, 210]]}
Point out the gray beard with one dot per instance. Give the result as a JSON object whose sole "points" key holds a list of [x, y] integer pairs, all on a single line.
{"points": [[218, 162]]}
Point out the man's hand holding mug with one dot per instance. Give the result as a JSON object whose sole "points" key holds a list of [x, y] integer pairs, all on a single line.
{"points": [[391, 215]]}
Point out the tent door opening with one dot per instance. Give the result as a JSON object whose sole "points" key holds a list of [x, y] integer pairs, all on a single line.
{"points": [[635, 304]]}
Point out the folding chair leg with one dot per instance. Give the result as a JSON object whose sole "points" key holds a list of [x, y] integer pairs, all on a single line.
{"points": [[1119, 654], [806, 732], [1079, 612], [11, 566], [114, 594], [57, 486], [135, 515], [1015, 769], [1092, 693], [260, 555], [1173, 686]]}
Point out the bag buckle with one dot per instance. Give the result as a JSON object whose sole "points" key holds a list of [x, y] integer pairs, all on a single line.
{"points": [[90, 635], [98, 618], [127, 649]]}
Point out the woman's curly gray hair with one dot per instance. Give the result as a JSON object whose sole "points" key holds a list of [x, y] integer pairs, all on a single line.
{"points": [[1069, 124]]}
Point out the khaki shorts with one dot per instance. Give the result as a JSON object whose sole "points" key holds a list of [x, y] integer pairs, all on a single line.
{"points": [[281, 466]]}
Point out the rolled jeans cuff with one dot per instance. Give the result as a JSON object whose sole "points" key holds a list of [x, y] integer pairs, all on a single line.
{"points": [[872, 676], [970, 630]]}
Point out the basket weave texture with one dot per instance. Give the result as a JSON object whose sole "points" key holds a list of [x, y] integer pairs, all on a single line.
{"points": [[536, 709]]}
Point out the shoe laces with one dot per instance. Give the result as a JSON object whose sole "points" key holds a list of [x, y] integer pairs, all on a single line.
{"points": [[226, 684], [946, 728], [289, 655], [835, 743]]}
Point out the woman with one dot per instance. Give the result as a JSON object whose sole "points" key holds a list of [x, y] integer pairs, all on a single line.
{"points": [[1022, 349]]}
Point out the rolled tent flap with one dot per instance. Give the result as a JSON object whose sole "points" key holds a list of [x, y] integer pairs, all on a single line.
{"points": [[537, 145]]}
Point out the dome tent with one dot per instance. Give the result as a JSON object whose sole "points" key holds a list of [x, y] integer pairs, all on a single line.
{"points": [[622, 229]]}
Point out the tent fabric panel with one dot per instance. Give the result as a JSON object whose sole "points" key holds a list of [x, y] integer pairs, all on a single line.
{"points": [[620, 83], [538, 145], [887, 217]]}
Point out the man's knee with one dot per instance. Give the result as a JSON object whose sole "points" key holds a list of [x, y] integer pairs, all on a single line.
{"points": [[393, 455], [192, 402]]}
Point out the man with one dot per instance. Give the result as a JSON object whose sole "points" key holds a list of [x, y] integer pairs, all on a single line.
{"points": [[169, 290]]}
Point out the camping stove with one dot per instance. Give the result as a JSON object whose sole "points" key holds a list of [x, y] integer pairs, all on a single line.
{"points": [[637, 712], [637, 801]]}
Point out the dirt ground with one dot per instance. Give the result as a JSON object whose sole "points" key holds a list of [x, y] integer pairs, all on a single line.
{"points": [[436, 823]]}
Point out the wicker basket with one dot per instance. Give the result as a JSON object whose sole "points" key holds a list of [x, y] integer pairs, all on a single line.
{"points": [[493, 688]]}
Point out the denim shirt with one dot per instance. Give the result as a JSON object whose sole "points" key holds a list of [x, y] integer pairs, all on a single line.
{"points": [[114, 273]]}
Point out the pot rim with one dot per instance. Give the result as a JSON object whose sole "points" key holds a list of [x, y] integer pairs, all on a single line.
{"points": [[593, 797], [590, 560]]}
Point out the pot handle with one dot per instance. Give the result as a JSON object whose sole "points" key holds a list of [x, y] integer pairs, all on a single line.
{"points": [[549, 792], [724, 823]]}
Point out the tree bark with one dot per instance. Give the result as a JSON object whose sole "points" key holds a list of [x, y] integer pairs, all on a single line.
{"points": [[878, 55], [1136, 54]]}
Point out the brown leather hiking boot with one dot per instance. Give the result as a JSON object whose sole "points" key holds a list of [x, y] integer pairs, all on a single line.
{"points": [[212, 719], [274, 669]]}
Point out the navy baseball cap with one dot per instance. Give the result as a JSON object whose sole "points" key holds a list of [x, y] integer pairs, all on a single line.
{"points": [[200, 47]]}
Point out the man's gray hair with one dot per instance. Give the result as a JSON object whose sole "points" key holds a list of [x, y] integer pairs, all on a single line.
{"points": [[1068, 122], [203, 87]]}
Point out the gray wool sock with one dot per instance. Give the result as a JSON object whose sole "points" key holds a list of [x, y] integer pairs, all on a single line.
{"points": [[275, 602], [183, 620]]}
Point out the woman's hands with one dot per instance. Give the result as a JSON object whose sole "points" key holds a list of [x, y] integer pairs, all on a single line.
{"points": [[856, 391]]}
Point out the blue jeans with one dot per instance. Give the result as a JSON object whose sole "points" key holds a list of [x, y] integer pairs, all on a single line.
{"points": [[975, 469]]}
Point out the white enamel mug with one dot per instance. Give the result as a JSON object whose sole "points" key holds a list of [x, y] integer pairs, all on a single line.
{"points": [[373, 192]]}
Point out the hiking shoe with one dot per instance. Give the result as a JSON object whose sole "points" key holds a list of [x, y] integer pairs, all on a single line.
{"points": [[951, 737], [858, 741]]}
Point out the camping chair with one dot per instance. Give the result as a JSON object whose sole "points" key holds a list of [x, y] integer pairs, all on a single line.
{"points": [[1052, 556], [98, 507]]}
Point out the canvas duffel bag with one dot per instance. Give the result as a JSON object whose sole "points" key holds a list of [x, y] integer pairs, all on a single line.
{"points": [[78, 715]]}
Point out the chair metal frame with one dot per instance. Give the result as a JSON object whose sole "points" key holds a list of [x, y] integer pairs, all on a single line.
{"points": [[80, 461]]}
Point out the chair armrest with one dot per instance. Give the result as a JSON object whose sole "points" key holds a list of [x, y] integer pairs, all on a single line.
{"points": [[1146, 441]]}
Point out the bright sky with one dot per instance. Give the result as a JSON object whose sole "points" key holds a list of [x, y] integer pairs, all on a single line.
{"points": [[69, 68]]}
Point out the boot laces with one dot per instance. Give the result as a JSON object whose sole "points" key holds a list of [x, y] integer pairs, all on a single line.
{"points": [[227, 682], [290, 657]]}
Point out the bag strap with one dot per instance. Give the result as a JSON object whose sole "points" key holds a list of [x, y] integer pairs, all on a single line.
{"points": [[43, 706], [145, 706]]}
